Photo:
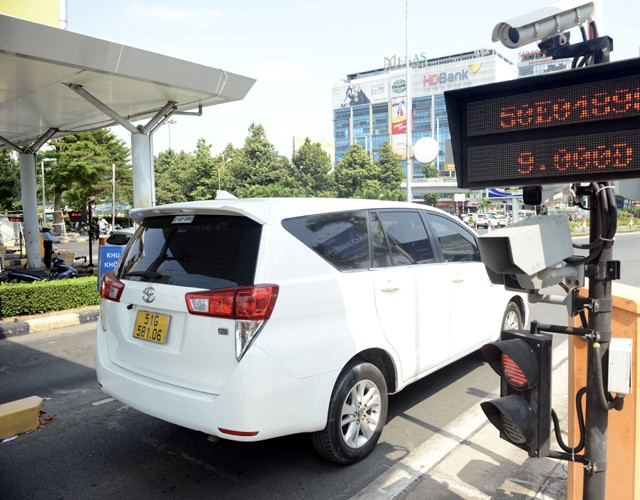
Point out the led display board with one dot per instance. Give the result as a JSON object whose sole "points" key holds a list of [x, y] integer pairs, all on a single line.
{"points": [[573, 126]]}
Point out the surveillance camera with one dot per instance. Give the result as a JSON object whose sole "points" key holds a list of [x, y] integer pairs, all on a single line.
{"points": [[529, 255], [543, 23]]}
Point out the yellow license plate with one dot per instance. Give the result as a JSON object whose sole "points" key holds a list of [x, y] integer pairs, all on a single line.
{"points": [[151, 326]]}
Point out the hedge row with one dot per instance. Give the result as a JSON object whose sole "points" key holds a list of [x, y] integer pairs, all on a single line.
{"points": [[20, 299]]}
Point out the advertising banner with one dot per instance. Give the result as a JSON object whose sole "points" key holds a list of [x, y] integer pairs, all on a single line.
{"points": [[363, 92]]}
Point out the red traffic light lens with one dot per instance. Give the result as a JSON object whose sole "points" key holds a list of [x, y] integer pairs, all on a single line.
{"points": [[512, 372]]}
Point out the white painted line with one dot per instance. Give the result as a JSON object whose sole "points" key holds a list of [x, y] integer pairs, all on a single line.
{"points": [[399, 477], [102, 401]]}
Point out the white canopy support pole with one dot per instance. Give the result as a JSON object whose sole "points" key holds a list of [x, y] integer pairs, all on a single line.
{"points": [[30, 210], [29, 197], [141, 159]]}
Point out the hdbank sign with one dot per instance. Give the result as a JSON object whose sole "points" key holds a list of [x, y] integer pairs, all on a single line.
{"points": [[108, 259], [437, 79]]}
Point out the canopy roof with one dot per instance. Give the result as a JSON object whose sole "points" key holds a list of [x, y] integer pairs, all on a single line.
{"points": [[38, 64]]}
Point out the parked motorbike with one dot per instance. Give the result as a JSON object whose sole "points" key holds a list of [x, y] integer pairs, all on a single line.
{"points": [[59, 270]]}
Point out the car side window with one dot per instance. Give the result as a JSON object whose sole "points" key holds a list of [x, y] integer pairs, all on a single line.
{"points": [[457, 244], [405, 236], [341, 238]]}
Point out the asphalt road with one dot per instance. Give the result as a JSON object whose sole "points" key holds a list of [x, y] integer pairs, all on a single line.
{"points": [[97, 448]]}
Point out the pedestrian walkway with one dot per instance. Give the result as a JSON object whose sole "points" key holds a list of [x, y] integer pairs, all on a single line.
{"points": [[468, 460]]}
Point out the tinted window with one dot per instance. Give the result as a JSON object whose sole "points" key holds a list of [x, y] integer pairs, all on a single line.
{"points": [[119, 238], [341, 238], [405, 237], [456, 242], [204, 251]]}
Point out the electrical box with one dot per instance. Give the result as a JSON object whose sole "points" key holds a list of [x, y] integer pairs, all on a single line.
{"points": [[620, 359]]}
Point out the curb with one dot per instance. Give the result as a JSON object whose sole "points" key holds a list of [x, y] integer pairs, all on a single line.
{"points": [[46, 323]]}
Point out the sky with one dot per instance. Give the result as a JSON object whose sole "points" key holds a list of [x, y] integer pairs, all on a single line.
{"points": [[299, 50]]}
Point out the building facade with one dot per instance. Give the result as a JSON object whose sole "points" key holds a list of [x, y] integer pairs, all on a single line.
{"points": [[375, 107]]}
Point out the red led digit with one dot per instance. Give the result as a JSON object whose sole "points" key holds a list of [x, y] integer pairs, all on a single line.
{"points": [[507, 117], [622, 155], [635, 99], [542, 112], [621, 101], [600, 104], [601, 157], [582, 104], [525, 115], [581, 158], [561, 110], [562, 159], [527, 162]]}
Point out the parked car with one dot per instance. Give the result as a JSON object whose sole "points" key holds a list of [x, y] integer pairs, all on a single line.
{"points": [[256, 318], [502, 220], [483, 220]]}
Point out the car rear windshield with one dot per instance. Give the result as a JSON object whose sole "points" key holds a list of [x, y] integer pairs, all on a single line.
{"points": [[201, 251]]}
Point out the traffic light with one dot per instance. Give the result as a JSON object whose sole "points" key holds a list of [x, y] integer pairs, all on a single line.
{"points": [[522, 414]]}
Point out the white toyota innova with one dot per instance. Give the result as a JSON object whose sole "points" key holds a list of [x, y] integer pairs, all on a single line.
{"points": [[255, 318]]}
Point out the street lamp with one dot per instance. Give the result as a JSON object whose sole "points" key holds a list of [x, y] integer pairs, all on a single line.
{"points": [[169, 123], [438, 118], [219, 168]]}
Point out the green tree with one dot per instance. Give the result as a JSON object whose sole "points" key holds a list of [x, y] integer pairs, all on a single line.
{"points": [[431, 199], [258, 164], [10, 196], [391, 174], [356, 176], [203, 174], [430, 170], [82, 167], [311, 167], [484, 204], [171, 172]]}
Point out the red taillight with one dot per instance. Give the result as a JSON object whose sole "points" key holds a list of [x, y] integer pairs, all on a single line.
{"points": [[111, 287], [238, 433], [251, 302], [513, 373]]}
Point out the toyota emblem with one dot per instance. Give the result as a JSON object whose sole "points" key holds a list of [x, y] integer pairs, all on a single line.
{"points": [[148, 294]]}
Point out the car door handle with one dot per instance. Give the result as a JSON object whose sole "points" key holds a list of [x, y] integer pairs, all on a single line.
{"points": [[458, 279], [389, 287]]}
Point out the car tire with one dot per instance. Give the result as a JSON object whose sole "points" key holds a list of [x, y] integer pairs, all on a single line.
{"points": [[512, 318], [357, 414]]}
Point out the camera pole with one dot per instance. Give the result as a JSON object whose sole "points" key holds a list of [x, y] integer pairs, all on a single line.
{"points": [[597, 413]]}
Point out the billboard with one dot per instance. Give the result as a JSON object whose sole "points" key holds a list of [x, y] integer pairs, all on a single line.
{"points": [[362, 92]]}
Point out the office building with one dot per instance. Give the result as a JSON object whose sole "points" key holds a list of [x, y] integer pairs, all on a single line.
{"points": [[372, 107]]}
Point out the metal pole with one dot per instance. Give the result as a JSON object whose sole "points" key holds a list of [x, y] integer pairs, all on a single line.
{"points": [[438, 140], [408, 115], [113, 195], [44, 218], [90, 220], [597, 417]]}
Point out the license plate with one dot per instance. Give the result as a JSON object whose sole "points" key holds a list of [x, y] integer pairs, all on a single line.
{"points": [[151, 326]]}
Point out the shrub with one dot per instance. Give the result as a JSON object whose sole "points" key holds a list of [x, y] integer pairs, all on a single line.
{"points": [[44, 296]]}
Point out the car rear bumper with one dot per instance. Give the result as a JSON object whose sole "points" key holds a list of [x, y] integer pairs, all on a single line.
{"points": [[260, 397]]}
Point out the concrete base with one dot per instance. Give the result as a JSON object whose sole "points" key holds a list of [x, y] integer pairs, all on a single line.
{"points": [[18, 417]]}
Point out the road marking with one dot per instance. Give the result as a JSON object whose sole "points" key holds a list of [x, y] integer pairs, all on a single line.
{"points": [[102, 401], [423, 458]]}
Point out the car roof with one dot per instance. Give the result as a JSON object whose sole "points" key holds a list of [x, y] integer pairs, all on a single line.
{"points": [[263, 210]]}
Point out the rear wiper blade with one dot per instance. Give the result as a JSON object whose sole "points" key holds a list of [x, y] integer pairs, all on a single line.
{"points": [[144, 274]]}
